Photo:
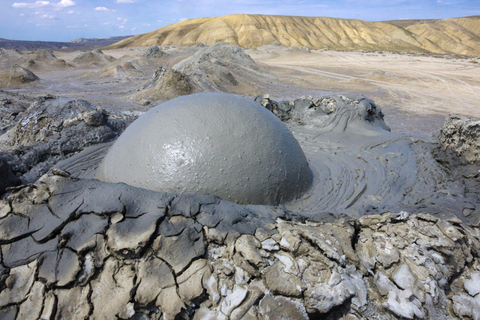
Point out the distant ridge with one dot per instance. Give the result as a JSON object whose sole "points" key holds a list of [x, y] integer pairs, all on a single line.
{"points": [[453, 36], [54, 45]]}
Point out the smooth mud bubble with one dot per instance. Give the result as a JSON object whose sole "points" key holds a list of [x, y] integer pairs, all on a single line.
{"points": [[210, 143]]}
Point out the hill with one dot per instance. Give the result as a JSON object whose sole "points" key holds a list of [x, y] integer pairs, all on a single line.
{"points": [[55, 45], [455, 36]]}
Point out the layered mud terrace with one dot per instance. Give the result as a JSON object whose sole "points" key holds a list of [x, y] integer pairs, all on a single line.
{"points": [[389, 230]]}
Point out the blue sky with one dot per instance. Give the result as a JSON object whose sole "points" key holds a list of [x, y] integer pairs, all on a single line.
{"points": [[65, 20]]}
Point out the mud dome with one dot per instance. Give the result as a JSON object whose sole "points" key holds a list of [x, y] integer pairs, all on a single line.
{"points": [[210, 144]]}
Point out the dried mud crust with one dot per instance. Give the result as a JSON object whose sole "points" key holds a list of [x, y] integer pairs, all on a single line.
{"points": [[54, 129], [82, 248]]}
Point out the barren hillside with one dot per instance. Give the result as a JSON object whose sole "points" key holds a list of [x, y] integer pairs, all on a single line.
{"points": [[456, 36]]}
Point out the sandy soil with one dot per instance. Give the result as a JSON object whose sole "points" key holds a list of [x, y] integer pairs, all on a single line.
{"points": [[416, 92]]}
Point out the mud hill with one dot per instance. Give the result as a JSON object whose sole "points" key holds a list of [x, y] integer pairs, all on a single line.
{"points": [[454, 36]]}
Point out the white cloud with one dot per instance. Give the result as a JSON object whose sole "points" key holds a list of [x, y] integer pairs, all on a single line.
{"points": [[133, 29], [159, 21], [71, 12], [182, 19], [64, 3], [36, 4], [39, 4], [48, 16], [101, 9], [22, 14], [126, 1]]}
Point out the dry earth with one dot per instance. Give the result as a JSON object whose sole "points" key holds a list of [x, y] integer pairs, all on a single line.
{"points": [[416, 91], [70, 244]]}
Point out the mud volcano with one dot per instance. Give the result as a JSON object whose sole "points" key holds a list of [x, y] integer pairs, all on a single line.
{"points": [[210, 143]]}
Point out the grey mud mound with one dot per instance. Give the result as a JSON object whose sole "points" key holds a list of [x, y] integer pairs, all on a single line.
{"points": [[335, 114], [96, 57], [124, 70], [43, 55], [220, 53], [52, 129], [210, 143], [17, 76], [221, 67], [8, 57], [167, 84], [44, 60], [69, 246], [154, 52]]}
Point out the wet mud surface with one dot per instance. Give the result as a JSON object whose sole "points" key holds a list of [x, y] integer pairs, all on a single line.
{"points": [[389, 229]]}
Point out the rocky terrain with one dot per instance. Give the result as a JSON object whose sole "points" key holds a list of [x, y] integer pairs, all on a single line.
{"points": [[51, 130], [389, 230], [68, 243], [66, 247], [449, 36]]}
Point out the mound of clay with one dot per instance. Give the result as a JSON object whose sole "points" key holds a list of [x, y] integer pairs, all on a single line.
{"points": [[44, 55], [220, 53], [54, 129], [128, 66], [154, 52], [330, 113], [462, 136], [60, 63], [93, 57], [121, 71], [17, 76], [220, 67], [168, 84], [210, 144], [459, 151], [10, 55]]}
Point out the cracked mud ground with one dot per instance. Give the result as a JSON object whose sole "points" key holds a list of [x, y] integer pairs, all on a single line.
{"points": [[75, 248]]}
